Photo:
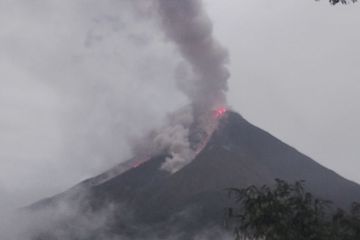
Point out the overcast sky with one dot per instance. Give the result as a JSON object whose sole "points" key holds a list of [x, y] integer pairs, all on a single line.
{"points": [[82, 80], [295, 73]]}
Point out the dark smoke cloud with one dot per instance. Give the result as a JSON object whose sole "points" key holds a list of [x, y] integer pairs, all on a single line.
{"points": [[186, 24]]}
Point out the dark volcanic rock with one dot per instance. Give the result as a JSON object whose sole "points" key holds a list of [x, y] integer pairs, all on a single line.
{"points": [[238, 155]]}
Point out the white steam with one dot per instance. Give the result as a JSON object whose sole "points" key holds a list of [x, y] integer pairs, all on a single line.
{"points": [[175, 139], [182, 137], [100, 102], [64, 219]]}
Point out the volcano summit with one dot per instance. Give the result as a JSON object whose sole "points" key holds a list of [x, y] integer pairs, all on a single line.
{"points": [[149, 201]]}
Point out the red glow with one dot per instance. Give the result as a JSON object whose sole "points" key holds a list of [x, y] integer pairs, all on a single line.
{"points": [[137, 164], [219, 113]]}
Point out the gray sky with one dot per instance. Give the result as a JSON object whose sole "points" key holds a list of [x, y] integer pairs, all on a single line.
{"points": [[80, 80], [295, 73]]}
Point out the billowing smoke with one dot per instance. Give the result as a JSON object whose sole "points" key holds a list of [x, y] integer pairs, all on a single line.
{"points": [[201, 75], [182, 137], [175, 139], [171, 138], [203, 78]]}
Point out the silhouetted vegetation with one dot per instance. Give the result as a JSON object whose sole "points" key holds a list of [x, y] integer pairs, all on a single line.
{"points": [[341, 1], [288, 212]]}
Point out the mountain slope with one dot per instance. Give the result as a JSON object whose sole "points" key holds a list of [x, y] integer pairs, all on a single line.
{"points": [[237, 155]]}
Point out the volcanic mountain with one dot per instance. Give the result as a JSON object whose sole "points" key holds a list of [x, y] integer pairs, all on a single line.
{"points": [[238, 154]]}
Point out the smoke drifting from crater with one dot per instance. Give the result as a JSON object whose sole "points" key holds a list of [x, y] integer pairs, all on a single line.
{"points": [[203, 78]]}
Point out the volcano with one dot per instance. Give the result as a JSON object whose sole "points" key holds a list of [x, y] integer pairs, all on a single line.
{"points": [[238, 154]]}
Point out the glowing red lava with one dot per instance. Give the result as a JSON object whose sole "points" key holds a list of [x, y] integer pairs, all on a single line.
{"points": [[219, 113]]}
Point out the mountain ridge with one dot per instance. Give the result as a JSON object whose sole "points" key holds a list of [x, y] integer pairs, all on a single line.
{"points": [[238, 154]]}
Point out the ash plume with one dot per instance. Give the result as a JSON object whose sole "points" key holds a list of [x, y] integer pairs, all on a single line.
{"points": [[186, 24], [202, 76]]}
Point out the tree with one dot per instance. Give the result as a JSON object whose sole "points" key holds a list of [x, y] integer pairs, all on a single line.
{"points": [[341, 1], [289, 212]]}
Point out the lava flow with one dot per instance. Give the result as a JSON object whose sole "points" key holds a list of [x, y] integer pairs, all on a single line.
{"points": [[220, 112]]}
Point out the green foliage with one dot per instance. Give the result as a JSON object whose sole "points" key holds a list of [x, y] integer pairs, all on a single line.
{"points": [[289, 212]]}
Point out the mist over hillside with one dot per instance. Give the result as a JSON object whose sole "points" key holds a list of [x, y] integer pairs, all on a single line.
{"points": [[135, 93], [139, 199]]}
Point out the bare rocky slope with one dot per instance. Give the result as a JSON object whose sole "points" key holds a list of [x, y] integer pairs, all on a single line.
{"points": [[237, 155]]}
